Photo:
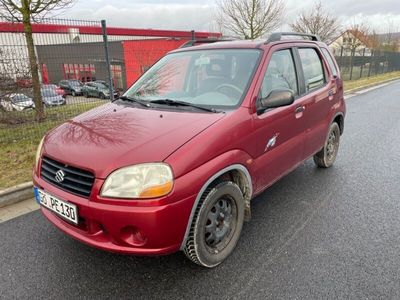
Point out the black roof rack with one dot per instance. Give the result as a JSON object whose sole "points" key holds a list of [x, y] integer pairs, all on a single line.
{"points": [[202, 41], [277, 36]]}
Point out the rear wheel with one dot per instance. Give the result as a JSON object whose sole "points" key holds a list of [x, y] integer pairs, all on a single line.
{"points": [[327, 155], [216, 225]]}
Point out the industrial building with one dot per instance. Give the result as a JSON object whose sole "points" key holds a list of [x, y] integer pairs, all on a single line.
{"points": [[75, 49]]}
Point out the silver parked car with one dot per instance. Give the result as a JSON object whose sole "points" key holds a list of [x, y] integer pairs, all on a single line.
{"points": [[17, 102], [51, 98]]}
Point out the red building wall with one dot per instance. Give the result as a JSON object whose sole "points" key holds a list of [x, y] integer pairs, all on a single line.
{"points": [[141, 54]]}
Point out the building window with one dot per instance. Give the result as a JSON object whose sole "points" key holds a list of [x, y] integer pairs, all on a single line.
{"points": [[87, 72], [69, 71], [83, 72]]}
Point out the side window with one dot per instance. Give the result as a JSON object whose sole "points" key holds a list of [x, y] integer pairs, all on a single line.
{"points": [[280, 74], [312, 68], [329, 59]]}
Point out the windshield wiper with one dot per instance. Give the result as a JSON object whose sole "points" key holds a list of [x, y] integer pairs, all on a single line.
{"points": [[182, 103], [136, 100]]}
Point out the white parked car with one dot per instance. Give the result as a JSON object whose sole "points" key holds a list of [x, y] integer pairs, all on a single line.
{"points": [[17, 102]]}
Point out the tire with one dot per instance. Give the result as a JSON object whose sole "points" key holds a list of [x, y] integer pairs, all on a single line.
{"points": [[73, 94], [327, 155], [222, 205], [102, 96], [86, 95]]}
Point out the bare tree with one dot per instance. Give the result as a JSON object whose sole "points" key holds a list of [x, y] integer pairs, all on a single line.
{"points": [[27, 11], [390, 41], [250, 19], [359, 36], [319, 22], [11, 64]]}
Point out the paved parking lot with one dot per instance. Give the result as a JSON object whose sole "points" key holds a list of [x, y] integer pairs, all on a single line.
{"points": [[315, 234]]}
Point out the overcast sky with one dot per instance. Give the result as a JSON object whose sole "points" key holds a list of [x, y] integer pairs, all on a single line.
{"points": [[198, 15]]}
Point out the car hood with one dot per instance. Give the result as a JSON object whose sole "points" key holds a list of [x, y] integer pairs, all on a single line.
{"points": [[113, 136]]}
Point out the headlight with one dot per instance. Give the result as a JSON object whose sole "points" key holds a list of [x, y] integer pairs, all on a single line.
{"points": [[38, 152], [148, 180]]}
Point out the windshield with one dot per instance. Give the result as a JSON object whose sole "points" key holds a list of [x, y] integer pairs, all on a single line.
{"points": [[101, 85], [48, 93], [20, 98], [210, 78], [75, 83]]}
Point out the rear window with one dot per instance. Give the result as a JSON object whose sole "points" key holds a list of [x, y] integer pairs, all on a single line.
{"points": [[312, 67], [329, 59]]}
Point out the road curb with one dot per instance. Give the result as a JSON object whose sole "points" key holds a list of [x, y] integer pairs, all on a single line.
{"points": [[16, 194], [364, 87]]}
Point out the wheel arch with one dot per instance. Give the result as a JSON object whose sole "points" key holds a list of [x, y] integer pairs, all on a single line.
{"points": [[339, 119], [236, 173]]}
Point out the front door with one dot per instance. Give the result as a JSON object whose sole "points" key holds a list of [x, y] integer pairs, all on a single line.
{"points": [[280, 132]]}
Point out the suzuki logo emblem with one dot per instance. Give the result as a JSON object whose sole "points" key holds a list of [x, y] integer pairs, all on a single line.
{"points": [[59, 176]]}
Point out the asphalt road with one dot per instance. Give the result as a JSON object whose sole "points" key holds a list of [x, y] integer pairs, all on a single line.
{"points": [[315, 234]]}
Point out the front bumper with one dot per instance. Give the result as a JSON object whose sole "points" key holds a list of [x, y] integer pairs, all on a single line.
{"points": [[154, 227]]}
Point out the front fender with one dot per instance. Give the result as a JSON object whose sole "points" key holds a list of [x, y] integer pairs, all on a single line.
{"points": [[200, 175], [197, 180]]}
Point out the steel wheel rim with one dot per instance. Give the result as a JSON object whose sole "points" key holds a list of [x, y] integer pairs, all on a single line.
{"points": [[220, 224], [332, 145]]}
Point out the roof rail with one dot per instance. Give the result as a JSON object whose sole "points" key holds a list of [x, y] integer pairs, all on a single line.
{"points": [[201, 41], [277, 36]]}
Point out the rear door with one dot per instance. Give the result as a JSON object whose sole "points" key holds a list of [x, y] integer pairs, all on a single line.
{"points": [[279, 131], [317, 95], [334, 75]]}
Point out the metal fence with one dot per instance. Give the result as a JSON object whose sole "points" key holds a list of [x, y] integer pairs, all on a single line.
{"points": [[82, 65], [363, 62]]}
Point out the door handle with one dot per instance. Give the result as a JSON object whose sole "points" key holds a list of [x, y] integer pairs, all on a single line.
{"points": [[299, 109], [330, 95]]}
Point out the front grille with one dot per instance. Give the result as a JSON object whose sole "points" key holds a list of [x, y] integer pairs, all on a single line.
{"points": [[76, 181]]}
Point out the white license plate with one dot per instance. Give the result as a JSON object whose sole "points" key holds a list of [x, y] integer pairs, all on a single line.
{"points": [[62, 208]]}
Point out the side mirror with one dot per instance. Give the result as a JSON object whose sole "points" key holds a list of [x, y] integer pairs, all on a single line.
{"points": [[276, 98]]}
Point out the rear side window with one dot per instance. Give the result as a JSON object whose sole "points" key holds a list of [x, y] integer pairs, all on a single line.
{"points": [[312, 67], [329, 59], [280, 74]]}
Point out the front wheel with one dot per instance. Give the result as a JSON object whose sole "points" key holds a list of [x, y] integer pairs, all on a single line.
{"points": [[216, 226], [327, 155], [73, 93]]}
